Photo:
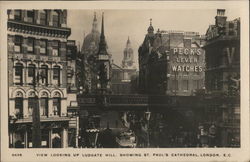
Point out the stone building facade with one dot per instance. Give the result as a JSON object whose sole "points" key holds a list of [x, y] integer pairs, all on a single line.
{"points": [[38, 76], [223, 77], [171, 62]]}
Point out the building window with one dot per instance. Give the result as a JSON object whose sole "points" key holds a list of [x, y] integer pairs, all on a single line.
{"points": [[231, 33], [43, 17], [19, 74], [196, 84], [44, 106], [19, 107], [18, 43], [56, 75], [57, 106], [30, 16], [43, 47], [185, 73], [31, 74], [18, 15], [176, 86], [55, 18], [31, 43], [32, 104], [185, 85], [231, 25], [55, 48], [44, 74]]}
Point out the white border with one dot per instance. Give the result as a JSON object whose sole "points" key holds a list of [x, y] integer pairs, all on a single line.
{"points": [[237, 154]]}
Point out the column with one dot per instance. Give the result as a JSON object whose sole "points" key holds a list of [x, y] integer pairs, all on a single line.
{"points": [[50, 138], [64, 138], [25, 108], [26, 74], [26, 139], [50, 111], [63, 107], [37, 74], [49, 75], [11, 139], [77, 130]]}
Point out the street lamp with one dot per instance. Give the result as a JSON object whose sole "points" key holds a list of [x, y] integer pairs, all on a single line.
{"points": [[147, 114], [36, 131]]}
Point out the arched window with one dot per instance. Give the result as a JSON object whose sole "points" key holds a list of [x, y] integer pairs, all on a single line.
{"points": [[31, 74], [56, 75], [18, 80], [44, 75], [43, 17], [19, 105], [55, 18], [57, 104], [32, 103], [44, 106]]}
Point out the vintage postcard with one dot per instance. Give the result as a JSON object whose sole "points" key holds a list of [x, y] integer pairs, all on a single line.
{"points": [[125, 81]]}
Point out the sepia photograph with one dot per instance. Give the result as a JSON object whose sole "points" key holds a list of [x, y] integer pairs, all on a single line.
{"points": [[130, 79]]}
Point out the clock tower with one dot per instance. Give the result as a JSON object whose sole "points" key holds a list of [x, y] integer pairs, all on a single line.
{"points": [[128, 56]]}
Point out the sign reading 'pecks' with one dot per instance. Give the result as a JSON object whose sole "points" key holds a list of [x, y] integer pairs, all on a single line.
{"points": [[187, 60]]}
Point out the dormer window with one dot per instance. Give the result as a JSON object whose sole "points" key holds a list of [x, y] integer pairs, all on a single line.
{"points": [[55, 18], [43, 17], [30, 16], [18, 15]]}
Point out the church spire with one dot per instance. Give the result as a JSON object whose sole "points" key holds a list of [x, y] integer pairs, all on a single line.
{"points": [[102, 30], [102, 44], [128, 42], [94, 24]]}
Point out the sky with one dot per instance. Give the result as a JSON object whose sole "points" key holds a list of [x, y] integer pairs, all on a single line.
{"points": [[120, 24]]}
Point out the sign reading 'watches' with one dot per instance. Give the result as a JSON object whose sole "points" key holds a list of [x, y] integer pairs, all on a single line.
{"points": [[187, 60]]}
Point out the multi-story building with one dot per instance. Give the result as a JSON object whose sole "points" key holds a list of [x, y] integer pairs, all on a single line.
{"points": [[73, 109], [171, 62], [122, 75], [223, 76], [38, 77]]}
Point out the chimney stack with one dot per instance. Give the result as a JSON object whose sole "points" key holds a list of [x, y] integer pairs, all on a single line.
{"points": [[220, 18]]}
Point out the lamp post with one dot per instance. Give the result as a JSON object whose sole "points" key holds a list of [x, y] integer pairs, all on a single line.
{"points": [[147, 114], [36, 131]]}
